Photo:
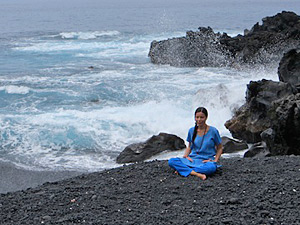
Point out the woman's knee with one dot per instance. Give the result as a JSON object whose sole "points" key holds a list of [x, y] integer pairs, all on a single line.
{"points": [[211, 168], [208, 168], [172, 161]]}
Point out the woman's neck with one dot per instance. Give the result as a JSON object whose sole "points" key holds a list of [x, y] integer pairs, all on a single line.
{"points": [[202, 127]]}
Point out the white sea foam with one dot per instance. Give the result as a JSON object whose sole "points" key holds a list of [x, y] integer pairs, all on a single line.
{"points": [[12, 89], [88, 35], [98, 49]]}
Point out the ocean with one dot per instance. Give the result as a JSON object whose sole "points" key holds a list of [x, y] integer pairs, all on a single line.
{"points": [[77, 85]]}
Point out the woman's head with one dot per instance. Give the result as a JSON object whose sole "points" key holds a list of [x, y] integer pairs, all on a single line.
{"points": [[201, 116], [203, 110]]}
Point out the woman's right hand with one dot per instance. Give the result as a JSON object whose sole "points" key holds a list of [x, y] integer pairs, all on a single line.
{"points": [[189, 158]]}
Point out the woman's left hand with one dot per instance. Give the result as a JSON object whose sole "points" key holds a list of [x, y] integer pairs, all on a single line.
{"points": [[208, 160]]}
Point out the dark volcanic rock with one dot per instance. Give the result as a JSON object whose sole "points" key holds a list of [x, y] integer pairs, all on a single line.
{"points": [[243, 191], [258, 149], [254, 116], [263, 44], [267, 42], [154, 145], [230, 145], [285, 137], [271, 114], [289, 68], [200, 48]]}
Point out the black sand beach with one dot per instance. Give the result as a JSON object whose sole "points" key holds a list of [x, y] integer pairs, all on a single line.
{"points": [[243, 191]]}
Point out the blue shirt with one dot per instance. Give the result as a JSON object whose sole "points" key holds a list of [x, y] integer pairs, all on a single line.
{"points": [[208, 149]]}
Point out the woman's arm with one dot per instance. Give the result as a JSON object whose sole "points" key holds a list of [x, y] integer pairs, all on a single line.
{"points": [[187, 152], [219, 152]]}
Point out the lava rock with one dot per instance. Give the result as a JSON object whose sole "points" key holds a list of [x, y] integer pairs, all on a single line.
{"points": [[263, 44], [230, 145], [201, 48], [154, 145], [255, 116], [285, 139], [258, 149], [289, 68]]}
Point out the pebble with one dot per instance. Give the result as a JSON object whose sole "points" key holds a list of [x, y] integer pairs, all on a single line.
{"points": [[46, 217]]}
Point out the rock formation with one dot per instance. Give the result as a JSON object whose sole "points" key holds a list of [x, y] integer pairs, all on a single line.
{"points": [[271, 114], [200, 48], [254, 116], [264, 44], [288, 70], [231, 145], [154, 145]]}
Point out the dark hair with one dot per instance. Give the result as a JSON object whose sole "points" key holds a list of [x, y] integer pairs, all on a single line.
{"points": [[204, 111]]}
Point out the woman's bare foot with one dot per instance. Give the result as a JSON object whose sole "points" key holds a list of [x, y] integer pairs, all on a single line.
{"points": [[200, 175]]}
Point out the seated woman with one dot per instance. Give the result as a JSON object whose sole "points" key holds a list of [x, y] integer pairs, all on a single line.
{"points": [[204, 150]]}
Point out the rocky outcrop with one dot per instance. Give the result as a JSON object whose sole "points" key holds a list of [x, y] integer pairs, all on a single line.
{"points": [[254, 116], [289, 68], [263, 44], [154, 145], [230, 145], [270, 118], [284, 138], [197, 49]]}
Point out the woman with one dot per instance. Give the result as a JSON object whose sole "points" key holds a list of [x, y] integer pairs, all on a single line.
{"points": [[204, 150]]}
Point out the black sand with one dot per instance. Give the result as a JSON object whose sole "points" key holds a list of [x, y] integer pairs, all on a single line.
{"points": [[244, 191]]}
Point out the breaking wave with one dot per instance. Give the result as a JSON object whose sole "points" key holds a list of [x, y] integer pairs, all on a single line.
{"points": [[88, 35]]}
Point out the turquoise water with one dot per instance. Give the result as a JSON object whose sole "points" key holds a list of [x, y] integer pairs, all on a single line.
{"points": [[77, 86]]}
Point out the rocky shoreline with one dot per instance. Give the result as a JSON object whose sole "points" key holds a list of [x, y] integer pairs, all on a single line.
{"points": [[243, 191], [263, 44]]}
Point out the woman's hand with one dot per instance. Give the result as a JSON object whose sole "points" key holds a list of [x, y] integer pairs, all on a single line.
{"points": [[208, 160], [187, 152], [189, 158]]}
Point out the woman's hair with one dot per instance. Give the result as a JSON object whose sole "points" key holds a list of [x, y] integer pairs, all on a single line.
{"points": [[204, 111]]}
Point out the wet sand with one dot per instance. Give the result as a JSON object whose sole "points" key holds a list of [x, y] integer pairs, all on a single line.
{"points": [[14, 179]]}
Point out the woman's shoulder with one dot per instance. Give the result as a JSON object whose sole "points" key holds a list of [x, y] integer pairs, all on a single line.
{"points": [[213, 129], [191, 129]]}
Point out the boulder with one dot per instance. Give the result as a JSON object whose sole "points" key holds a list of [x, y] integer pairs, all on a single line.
{"points": [[154, 145], [257, 150], [251, 119], [263, 44], [289, 68], [230, 145]]}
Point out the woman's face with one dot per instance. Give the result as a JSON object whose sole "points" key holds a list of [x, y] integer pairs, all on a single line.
{"points": [[200, 118]]}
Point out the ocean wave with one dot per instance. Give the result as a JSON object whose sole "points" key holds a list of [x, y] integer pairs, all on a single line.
{"points": [[91, 49], [88, 35], [12, 89]]}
